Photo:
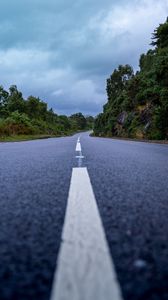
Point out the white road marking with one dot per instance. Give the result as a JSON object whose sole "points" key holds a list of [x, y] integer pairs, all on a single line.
{"points": [[78, 147], [85, 270], [79, 156]]}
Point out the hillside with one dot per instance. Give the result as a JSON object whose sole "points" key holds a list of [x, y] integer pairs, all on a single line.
{"points": [[137, 104]]}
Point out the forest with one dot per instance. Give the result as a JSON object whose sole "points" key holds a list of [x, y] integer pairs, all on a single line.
{"points": [[137, 103], [23, 118]]}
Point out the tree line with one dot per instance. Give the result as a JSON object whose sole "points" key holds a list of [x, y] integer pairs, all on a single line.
{"points": [[137, 105], [31, 116]]}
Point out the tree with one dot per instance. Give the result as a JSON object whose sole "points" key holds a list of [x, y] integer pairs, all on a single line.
{"points": [[79, 121], [15, 100], [36, 108], [64, 122], [3, 102], [89, 122], [160, 36], [118, 81]]}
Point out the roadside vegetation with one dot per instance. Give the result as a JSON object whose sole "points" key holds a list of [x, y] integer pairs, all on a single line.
{"points": [[137, 104], [22, 119]]}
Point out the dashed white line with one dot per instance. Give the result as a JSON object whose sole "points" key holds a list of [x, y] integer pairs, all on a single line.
{"points": [[78, 147], [85, 270]]}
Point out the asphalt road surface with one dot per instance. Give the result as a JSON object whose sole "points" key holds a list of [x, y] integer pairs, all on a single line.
{"points": [[130, 184]]}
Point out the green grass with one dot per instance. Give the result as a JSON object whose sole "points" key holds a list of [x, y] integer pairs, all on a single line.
{"points": [[19, 138], [131, 139], [29, 137]]}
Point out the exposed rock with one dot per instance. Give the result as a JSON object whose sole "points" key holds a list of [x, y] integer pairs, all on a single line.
{"points": [[147, 126], [122, 117], [146, 115]]}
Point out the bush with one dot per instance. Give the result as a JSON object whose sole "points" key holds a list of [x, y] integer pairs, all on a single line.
{"points": [[16, 124]]}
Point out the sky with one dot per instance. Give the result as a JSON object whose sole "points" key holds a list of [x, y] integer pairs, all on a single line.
{"points": [[63, 51]]}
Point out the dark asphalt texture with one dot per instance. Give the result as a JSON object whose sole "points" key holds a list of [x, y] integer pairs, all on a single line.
{"points": [[34, 185], [130, 181]]}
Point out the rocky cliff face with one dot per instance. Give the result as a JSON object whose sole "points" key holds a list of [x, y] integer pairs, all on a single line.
{"points": [[136, 123]]}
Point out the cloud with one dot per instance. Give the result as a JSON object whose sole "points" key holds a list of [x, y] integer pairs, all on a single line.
{"points": [[132, 18], [83, 90], [57, 92], [63, 51]]}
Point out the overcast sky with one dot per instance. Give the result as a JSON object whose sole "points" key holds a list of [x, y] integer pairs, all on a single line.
{"points": [[63, 51]]}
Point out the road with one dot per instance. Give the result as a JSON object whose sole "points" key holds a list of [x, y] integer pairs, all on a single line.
{"points": [[130, 185]]}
